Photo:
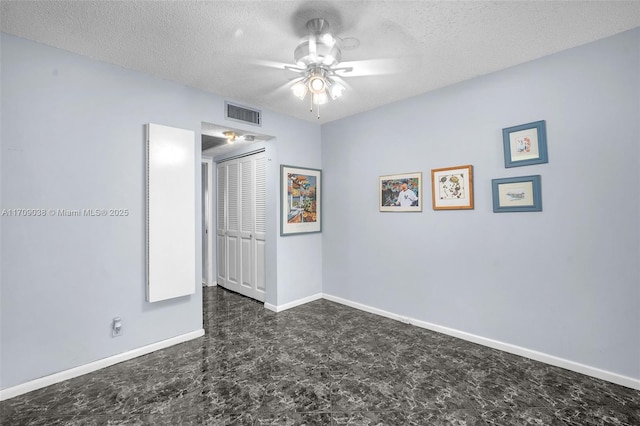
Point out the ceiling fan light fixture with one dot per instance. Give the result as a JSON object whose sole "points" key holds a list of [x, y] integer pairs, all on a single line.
{"points": [[317, 56], [230, 136], [336, 90], [320, 98], [317, 84], [299, 89]]}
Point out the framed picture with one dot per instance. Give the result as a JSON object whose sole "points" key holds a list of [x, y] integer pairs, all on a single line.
{"points": [[525, 144], [300, 198], [401, 193], [517, 194], [452, 188]]}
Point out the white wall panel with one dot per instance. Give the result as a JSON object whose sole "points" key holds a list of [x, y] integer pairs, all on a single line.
{"points": [[171, 242]]}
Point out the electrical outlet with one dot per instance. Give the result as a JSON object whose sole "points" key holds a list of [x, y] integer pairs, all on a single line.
{"points": [[116, 327]]}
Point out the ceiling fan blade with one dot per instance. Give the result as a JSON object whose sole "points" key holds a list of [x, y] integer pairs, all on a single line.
{"points": [[267, 63], [340, 70], [369, 67], [294, 69], [274, 65]]}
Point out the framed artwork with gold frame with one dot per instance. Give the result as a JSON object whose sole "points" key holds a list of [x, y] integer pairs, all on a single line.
{"points": [[452, 188]]}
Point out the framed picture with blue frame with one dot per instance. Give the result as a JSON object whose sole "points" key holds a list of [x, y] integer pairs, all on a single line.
{"points": [[517, 194], [525, 144]]}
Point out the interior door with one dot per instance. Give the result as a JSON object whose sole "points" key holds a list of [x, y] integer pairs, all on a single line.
{"points": [[241, 225]]}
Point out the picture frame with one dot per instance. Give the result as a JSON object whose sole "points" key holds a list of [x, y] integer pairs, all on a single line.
{"points": [[300, 200], [392, 195], [525, 144], [452, 188], [517, 194]]}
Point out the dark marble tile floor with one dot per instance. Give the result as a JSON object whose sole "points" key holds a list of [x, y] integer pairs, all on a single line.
{"points": [[323, 364]]}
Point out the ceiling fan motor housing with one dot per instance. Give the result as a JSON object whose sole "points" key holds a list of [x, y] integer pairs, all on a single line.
{"points": [[320, 47]]}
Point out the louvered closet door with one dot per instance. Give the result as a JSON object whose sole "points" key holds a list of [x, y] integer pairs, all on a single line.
{"points": [[241, 225], [232, 240], [221, 221], [260, 236], [246, 223]]}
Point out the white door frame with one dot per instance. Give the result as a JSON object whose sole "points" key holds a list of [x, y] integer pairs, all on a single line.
{"points": [[208, 220]]}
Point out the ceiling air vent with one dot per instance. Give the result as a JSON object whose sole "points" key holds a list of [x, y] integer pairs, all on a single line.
{"points": [[243, 114]]}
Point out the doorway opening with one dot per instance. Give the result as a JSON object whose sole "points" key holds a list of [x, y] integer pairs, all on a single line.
{"points": [[236, 175]]}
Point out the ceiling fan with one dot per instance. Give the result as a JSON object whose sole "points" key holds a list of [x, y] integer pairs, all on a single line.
{"points": [[317, 57]]}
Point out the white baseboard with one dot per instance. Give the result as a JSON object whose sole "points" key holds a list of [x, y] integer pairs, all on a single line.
{"points": [[96, 365], [495, 344], [517, 350], [293, 304], [213, 284]]}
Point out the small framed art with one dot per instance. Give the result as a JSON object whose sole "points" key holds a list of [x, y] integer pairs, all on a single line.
{"points": [[517, 194], [301, 201], [525, 144], [452, 188], [400, 193]]}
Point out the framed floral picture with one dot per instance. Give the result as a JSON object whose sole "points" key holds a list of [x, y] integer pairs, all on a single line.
{"points": [[452, 188], [400, 193], [301, 201], [525, 144]]}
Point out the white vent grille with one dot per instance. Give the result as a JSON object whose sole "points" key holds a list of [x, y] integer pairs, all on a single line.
{"points": [[243, 114]]}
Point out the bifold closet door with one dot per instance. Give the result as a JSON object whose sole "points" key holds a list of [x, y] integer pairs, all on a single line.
{"points": [[260, 226], [241, 225]]}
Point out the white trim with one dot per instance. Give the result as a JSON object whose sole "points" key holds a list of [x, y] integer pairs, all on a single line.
{"points": [[293, 304], [209, 281], [609, 376], [365, 308], [96, 365], [213, 284]]}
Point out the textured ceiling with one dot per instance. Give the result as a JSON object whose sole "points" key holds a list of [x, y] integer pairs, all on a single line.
{"points": [[237, 49]]}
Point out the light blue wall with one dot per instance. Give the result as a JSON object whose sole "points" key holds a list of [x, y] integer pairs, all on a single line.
{"points": [[300, 256], [73, 137], [564, 281]]}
